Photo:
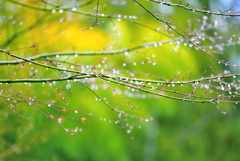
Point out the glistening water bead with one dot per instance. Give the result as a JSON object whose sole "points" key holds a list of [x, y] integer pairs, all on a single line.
{"points": [[74, 9]]}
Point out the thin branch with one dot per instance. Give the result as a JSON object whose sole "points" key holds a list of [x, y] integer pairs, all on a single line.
{"points": [[209, 12]]}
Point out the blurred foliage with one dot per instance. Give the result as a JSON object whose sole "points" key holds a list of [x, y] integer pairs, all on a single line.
{"points": [[180, 130]]}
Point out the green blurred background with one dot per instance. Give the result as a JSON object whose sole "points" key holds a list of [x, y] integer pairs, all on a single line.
{"points": [[179, 131]]}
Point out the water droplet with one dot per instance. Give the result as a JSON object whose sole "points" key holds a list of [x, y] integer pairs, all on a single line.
{"points": [[61, 20], [74, 9]]}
